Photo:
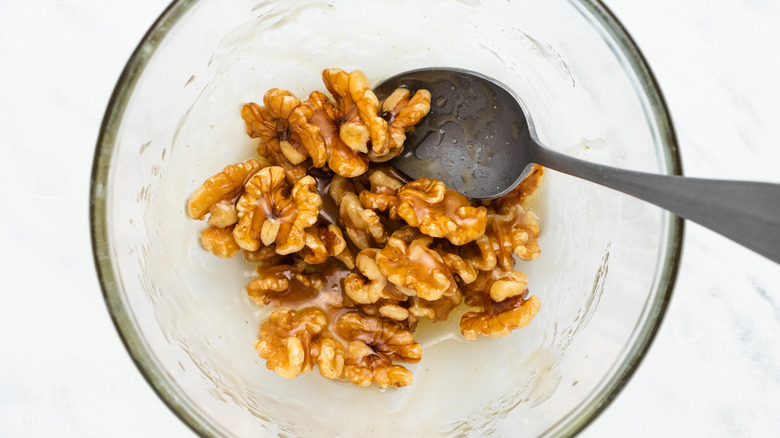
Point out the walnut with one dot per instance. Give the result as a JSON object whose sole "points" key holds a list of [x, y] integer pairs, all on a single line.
{"points": [[271, 212], [401, 113], [285, 121], [323, 241], [265, 256], [396, 310], [369, 285], [409, 263], [499, 284], [362, 225], [287, 339], [382, 196], [342, 159], [284, 282], [436, 310], [481, 254], [501, 295], [330, 356], [220, 241], [359, 108], [374, 343], [512, 230], [440, 212], [218, 194], [450, 255]]}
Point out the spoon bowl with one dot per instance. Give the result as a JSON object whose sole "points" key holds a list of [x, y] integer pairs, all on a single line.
{"points": [[479, 139], [474, 125]]}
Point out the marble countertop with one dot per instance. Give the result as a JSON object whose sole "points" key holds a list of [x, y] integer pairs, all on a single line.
{"points": [[713, 370]]}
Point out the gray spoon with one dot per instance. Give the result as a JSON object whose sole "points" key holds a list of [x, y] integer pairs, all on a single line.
{"points": [[479, 139]]}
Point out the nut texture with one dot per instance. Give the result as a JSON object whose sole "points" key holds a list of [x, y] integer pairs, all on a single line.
{"points": [[224, 187], [220, 241], [284, 120], [440, 212], [409, 262], [363, 226], [374, 343], [498, 318], [287, 339], [271, 212]]}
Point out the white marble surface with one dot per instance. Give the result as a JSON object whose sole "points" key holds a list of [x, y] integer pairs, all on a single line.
{"points": [[713, 370]]}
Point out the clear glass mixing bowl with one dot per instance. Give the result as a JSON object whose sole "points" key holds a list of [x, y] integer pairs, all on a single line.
{"points": [[608, 261]]}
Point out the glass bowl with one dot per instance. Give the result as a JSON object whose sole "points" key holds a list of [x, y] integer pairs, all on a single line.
{"points": [[608, 261]]}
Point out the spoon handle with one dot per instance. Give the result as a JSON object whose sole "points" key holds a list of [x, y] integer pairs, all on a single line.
{"points": [[745, 212]]}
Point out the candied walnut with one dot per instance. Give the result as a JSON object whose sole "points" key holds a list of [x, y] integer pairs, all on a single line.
{"points": [[285, 282], [355, 99], [369, 285], [265, 256], [436, 310], [440, 212], [374, 343], [287, 339], [342, 159], [501, 296], [218, 194], [285, 121], [270, 212], [402, 114], [499, 284], [397, 310], [219, 241], [330, 357], [512, 229], [323, 241], [409, 263], [457, 264], [480, 253], [382, 196], [362, 225]]}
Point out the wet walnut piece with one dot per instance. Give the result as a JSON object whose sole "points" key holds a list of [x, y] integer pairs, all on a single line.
{"points": [[374, 343], [409, 262], [402, 114], [272, 212], [323, 241], [284, 121], [292, 342], [342, 159], [359, 108], [220, 241], [218, 194], [284, 283], [362, 225], [513, 230], [369, 285], [436, 310], [481, 253], [383, 194], [440, 212], [451, 257], [348, 127], [501, 295]]}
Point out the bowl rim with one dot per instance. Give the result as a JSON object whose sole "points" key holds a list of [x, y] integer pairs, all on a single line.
{"points": [[159, 381]]}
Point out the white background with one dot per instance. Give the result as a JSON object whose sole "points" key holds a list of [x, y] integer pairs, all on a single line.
{"points": [[713, 370]]}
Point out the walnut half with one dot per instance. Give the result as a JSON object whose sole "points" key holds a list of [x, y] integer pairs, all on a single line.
{"points": [[272, 212], [374, 343]]}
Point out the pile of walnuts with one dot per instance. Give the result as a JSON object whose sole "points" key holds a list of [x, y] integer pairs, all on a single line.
{"points": [[350, 253]]}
